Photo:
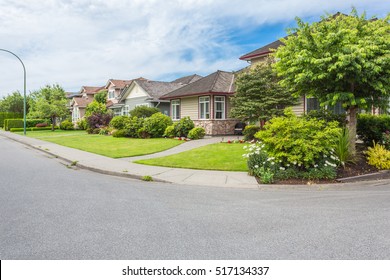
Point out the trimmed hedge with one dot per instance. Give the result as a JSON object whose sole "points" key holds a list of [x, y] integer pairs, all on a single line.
{"points": [[7, 115], [18, 123], [18, 129], [13, 123], [371, 128]]}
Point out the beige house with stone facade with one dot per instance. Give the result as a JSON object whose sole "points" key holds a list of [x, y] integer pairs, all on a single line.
{"points": [[207, 102]]}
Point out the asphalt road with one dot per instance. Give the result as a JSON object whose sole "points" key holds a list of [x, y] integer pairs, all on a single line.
{"points": [[50, 211]]}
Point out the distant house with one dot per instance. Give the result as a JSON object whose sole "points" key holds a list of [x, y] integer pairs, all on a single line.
{"points": [[80, 101], [206, 101], [143, 92]]}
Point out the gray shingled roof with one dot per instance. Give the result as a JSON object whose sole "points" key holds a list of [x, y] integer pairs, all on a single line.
{"points": [[157, 89], [217, 82], [263, 50], [188, 79]]}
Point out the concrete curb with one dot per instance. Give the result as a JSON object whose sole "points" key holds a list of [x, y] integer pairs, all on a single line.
{"points": [[384, 174]]}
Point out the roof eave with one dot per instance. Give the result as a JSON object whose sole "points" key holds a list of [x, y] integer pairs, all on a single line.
{"points": [[249, 57]]}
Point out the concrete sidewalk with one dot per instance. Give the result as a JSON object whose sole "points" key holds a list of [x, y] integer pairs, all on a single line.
{"points": [[125, 168]]}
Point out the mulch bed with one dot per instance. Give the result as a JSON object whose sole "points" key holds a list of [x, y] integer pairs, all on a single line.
{"points": [[359, 167]]}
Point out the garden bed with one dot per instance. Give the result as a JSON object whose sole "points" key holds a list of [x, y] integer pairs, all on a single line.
{"points": [[359, 167]]}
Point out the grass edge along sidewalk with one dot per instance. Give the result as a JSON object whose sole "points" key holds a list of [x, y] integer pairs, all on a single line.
{"points": [[104, 145], [218, 156]]}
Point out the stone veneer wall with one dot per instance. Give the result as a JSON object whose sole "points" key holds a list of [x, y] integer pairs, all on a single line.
{"points": [[217, 127]]}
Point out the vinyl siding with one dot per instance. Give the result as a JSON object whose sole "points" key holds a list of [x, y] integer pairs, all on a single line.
{"points": [[133, 102], [299, 109], [189, 107]]}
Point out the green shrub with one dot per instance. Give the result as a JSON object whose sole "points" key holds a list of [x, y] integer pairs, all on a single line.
{"points": [[82, 124], [35, 122], [143, 111], [378, 156], [342, 150], [156, 124], [119, 133], [298, 141], [327, 116], [250, 131], [119, 122], [13, 123], [66, 125], [386, 139], [196, 133], [8, 115], [183, 126], [370, 128], [142, 133], [170, 131], [104, 131], [133, 126]]}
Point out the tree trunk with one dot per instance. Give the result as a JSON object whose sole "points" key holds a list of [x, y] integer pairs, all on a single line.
{"points": [[351, 124], [53, 123]]}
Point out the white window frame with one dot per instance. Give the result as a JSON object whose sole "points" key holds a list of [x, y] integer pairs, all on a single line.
{"points": [[111, 94], [175, 109], [223, 111], [125, 110], [204, 107], [75, 114]]}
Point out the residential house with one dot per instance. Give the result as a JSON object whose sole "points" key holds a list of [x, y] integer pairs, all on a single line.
{"points": [[81, 100], [206, 101], [144, 92], [114, 88]]}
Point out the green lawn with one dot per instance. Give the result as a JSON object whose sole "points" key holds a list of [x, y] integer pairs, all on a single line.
{"points": [[104, 145], [220, 156]]}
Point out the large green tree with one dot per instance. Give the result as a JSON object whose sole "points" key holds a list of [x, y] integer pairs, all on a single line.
{"points": [[50, 102], [342, 58], [13, 103], [258, 95]]}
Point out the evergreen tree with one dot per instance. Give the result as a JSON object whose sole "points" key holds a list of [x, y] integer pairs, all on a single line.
{"points": [[259, 96]]}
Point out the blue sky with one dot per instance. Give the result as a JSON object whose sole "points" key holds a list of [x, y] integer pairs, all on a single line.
{"points": [[84, 42]]}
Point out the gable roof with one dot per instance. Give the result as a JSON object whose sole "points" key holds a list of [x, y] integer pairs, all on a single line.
{"points": [[187, 79], [217, 82], [90, 90], [81, 102], [263, 50], [154, 89], [118, 83]]}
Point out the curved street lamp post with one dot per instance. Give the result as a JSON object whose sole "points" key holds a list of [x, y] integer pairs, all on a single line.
{"points": [[24, 92]]}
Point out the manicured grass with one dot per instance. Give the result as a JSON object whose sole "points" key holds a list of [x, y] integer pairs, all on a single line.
{"points": [[220, 156], [105, 145]]}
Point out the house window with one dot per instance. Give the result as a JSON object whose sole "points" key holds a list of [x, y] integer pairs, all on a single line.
{"points": [[125, 110], [312, 104], [204, 107], [111, 94], [75, 114], [175, 109], [219, 107]]}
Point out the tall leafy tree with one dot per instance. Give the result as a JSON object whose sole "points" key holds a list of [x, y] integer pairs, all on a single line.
{"points": [[50, 102], [13, 103], [342, 58], [258, 95]]}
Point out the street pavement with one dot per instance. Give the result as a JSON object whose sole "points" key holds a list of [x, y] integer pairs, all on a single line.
{"points": [[50, 210]]}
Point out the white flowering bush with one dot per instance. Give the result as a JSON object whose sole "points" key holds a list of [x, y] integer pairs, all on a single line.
{"points": [[270, 168], [300, 142]]}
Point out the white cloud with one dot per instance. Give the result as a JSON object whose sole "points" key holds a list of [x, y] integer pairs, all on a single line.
{"points": [[86, 42]]}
